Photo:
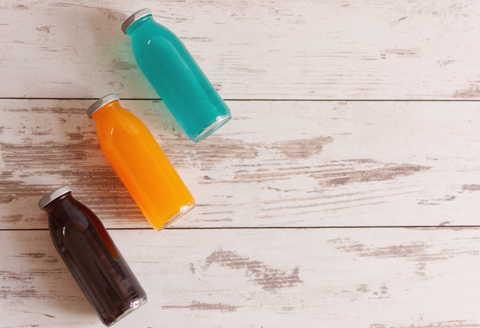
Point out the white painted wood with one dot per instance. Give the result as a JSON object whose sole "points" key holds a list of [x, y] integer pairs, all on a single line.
{"points": [[276, 164], [336, 49], [360, 278], [280, 164]]}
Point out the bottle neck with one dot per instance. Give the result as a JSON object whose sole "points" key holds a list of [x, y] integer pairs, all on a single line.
{"points": [[103, 111], [141, 21], [52, 205]]}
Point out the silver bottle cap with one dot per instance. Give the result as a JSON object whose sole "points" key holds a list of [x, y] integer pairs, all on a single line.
{"points": [[47, 199], [133, 18], [100, 103]]}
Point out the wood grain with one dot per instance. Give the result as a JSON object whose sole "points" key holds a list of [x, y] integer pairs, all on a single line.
{"points": [[300, 202], [277, 164], [362, 278], [336, 49]]}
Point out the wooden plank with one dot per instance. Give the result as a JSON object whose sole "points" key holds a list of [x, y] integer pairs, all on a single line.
{"points": [[372, 278], [275, 164], [249, 49]]}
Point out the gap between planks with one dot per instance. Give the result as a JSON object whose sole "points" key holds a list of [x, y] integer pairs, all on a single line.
{"points": [[265, 100], [428, 227]]}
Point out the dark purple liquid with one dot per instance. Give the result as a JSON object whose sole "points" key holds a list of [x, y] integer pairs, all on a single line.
{"points": [[93, 259]]}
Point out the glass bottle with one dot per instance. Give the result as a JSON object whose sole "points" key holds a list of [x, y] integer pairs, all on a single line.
{"points": [[140, 163], [91, 256], [176, 77]]}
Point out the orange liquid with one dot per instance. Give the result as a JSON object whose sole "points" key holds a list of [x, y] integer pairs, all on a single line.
{"points": [[142, 166]]}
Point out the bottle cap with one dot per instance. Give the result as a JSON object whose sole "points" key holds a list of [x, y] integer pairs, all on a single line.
{"points": [[47, 199], [136, 16], [100, 103]]}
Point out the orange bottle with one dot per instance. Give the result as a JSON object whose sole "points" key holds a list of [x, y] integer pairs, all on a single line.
{"points": [[140, 163]]}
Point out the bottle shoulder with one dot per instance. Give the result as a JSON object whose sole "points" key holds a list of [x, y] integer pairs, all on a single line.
{"points": [[78, 225], [119, 124], [65, 217], [148, 29], [68, 214]]}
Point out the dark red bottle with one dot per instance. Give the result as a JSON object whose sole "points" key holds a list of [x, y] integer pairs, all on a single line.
{"points": [[91, 256]]}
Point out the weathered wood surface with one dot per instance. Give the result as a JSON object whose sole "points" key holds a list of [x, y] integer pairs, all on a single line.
{"points": [[362, 278], [275, 164], [336, 49], [362, 166]]}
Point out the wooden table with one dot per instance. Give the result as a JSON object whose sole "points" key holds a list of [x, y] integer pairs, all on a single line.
{"points": [[344, 192]]}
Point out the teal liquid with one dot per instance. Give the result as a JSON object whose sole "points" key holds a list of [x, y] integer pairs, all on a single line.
{"points": [[178, 79]]}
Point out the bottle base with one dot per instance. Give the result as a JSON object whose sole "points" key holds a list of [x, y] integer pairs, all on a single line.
{"points": [[182, 212], [133, 306], [219, 122]]}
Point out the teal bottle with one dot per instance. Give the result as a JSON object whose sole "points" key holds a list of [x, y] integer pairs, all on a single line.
{"points": [[176, 77]]}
